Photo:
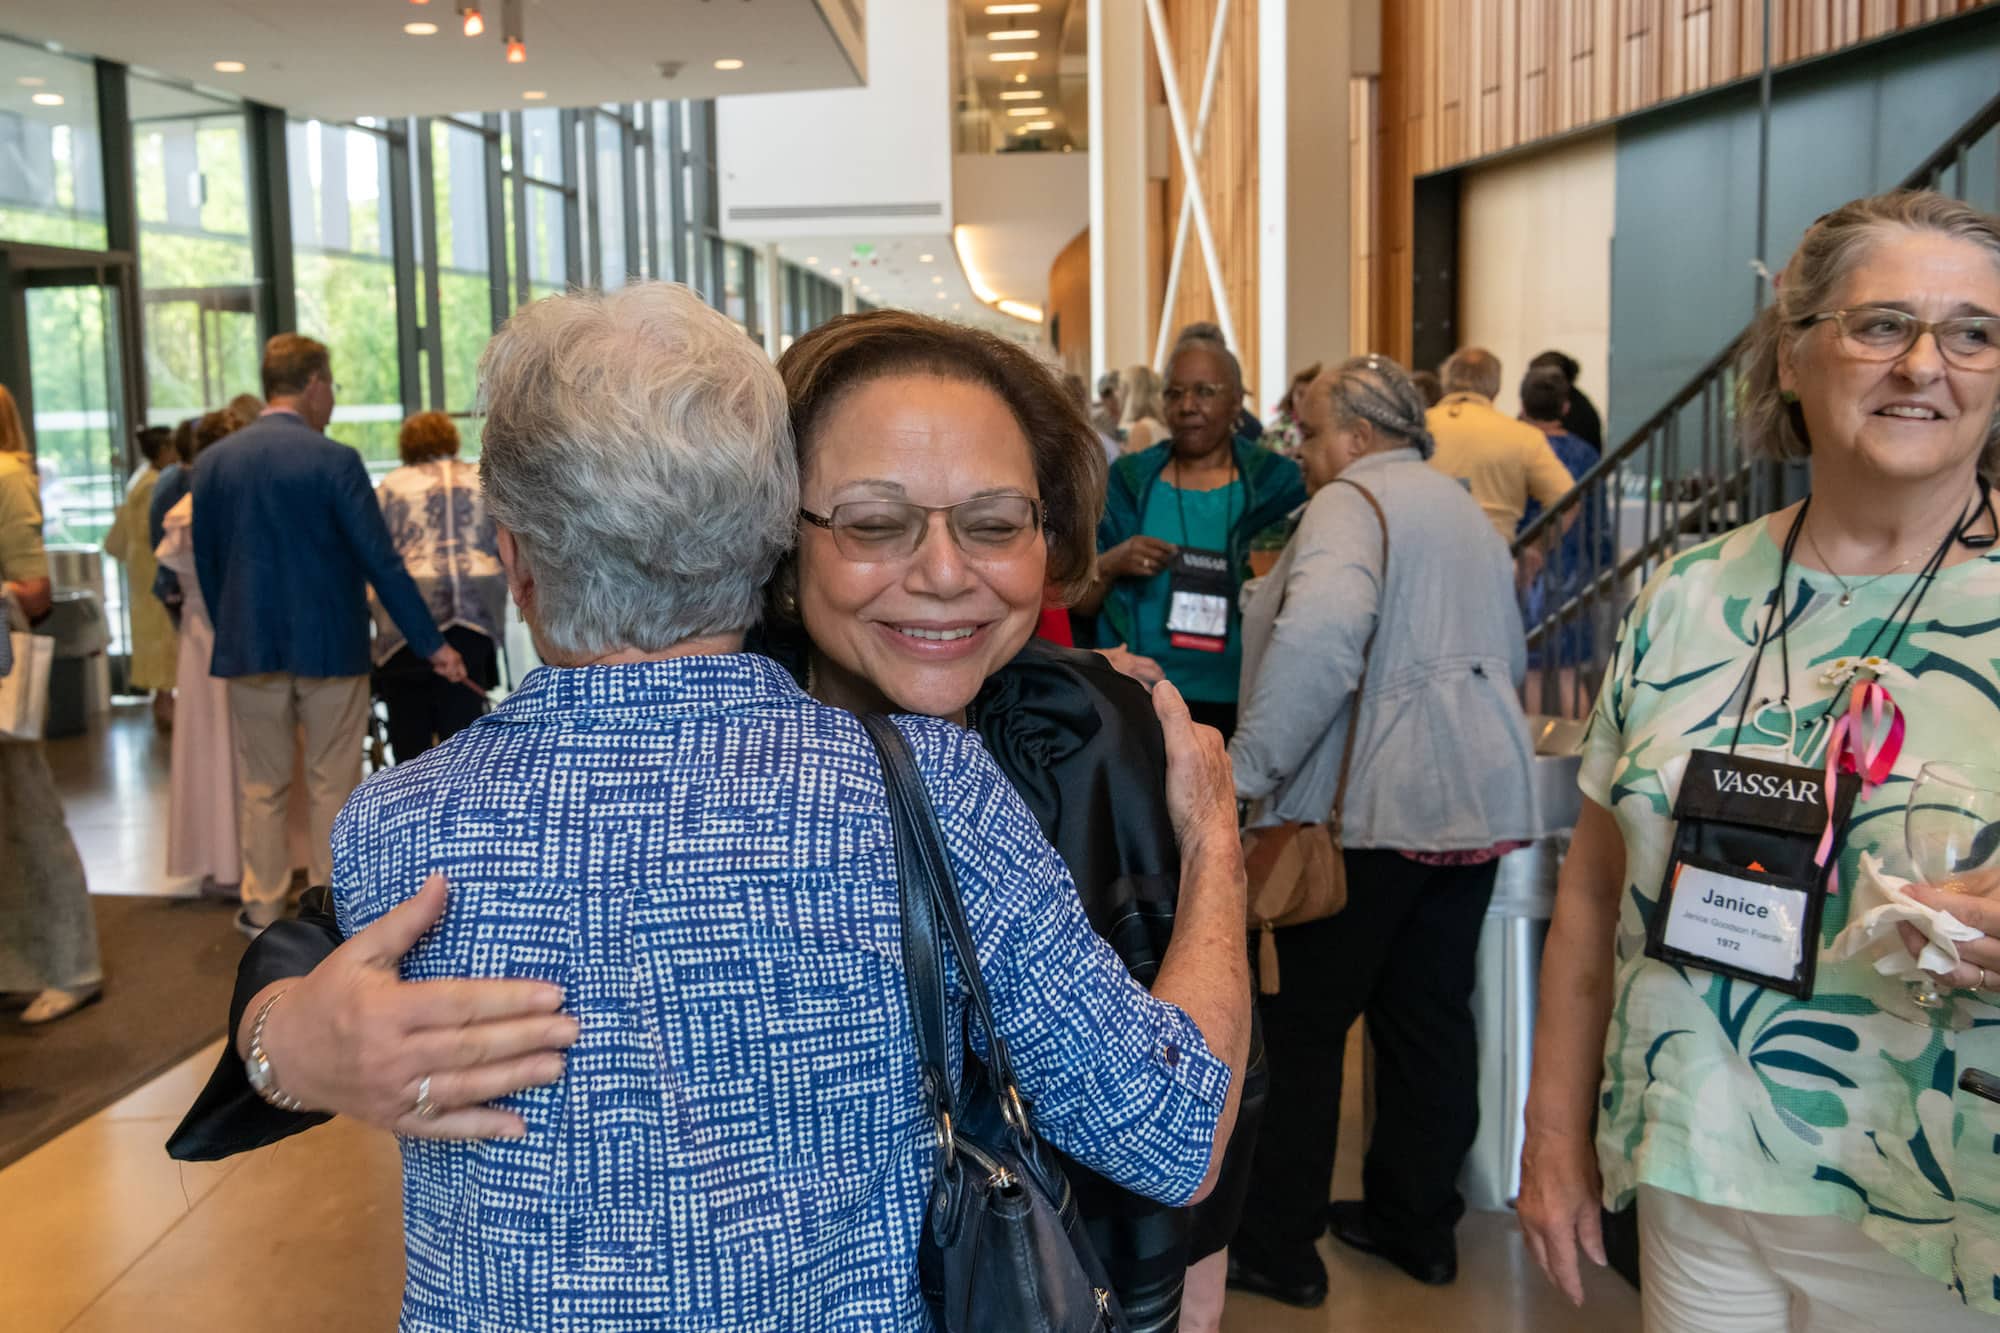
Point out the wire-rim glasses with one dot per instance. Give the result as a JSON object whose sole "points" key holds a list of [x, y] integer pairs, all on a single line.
{"points": [[1876, 333], [986, 527]]}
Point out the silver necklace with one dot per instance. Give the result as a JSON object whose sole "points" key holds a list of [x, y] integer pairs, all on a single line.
{"points": [[1847, 590]]}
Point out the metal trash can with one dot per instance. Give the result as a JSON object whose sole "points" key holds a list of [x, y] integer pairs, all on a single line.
{"points": [[1509, 967], [79, 680]]}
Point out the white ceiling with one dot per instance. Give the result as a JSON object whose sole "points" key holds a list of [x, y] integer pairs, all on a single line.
{"points": [[1056, 72], [341, 59], [893, 272]]}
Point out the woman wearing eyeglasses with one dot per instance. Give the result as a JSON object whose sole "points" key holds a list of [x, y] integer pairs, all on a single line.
{"points": [[1800, 1152], [1179, 521]]}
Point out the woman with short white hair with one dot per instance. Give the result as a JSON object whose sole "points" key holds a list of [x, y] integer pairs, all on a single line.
{"points": [[699, 856]]}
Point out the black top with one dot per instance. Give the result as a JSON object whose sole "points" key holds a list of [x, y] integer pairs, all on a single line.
{"points": [[1582, 420]]}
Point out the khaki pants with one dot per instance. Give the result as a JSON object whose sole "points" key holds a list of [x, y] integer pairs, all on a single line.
{"points": [[269, 712]]}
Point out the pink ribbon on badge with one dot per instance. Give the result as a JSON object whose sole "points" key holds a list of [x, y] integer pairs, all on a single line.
{"points": [[1859, 743]]}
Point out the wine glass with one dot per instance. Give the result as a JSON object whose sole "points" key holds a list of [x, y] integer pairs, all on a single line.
{"points": [[1951, 829]]}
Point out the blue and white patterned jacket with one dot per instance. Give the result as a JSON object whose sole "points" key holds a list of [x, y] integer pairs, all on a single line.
{"points": [[700, 855], [437, 518]]}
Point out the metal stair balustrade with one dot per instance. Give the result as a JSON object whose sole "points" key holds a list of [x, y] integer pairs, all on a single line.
{"points": [[1678, 480]]}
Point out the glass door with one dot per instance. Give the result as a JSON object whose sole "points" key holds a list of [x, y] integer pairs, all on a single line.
{"points": [[65, 340]]}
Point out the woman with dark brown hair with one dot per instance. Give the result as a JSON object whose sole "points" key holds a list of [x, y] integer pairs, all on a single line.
{"points": [[437, 518], [901, 419]]}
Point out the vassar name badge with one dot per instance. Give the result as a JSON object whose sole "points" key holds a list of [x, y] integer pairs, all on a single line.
{"points": [[1745, 888]]}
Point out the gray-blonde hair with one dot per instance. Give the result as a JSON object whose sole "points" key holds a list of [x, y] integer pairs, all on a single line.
{"points": [[1828, 254], [1376, 390], [1139, 388], [637, 447]]}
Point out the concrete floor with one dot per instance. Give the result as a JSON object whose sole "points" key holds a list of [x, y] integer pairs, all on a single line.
{"points": [[101, 1232]]}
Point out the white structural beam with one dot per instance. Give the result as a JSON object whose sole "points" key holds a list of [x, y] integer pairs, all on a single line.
{"points": [[1201, 115], [1120, 272], [1305, 62], [1190, 168]]}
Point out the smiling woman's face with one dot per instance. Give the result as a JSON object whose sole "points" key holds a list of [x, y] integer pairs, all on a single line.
{"points": [[1916, 417], [923, 632]]}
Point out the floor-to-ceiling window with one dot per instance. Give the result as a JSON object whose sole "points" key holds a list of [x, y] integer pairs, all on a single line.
{"points": [[536, 153], [51, 158], [191, 180], [344, 261]]}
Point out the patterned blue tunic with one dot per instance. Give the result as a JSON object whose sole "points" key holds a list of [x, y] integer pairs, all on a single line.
{"points": [[700, 855]]}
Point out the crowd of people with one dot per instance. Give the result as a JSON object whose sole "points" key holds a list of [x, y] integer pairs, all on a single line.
{"points": [[642, 929]]}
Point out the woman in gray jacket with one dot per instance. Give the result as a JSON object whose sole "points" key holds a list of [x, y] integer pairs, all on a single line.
{"points": [[1440, 789]]}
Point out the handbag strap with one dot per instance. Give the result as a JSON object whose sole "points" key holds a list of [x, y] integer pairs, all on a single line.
{"points": [[929, 896], [1367, 652]]}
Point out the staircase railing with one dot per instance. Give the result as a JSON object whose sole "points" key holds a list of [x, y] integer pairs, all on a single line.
{"points": [[1678, 480]]}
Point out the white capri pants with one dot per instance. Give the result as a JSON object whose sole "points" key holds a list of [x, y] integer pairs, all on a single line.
{"points": [[1708, 1269]]}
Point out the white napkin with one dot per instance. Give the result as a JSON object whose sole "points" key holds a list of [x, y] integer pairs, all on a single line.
{"points": [[1880, 903]]}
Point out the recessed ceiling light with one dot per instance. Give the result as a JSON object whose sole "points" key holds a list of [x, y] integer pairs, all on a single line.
{"points": [[937, 277], [1013, 9], [1020, 95], [834, 272], [1022, 77], [1014, 55], [31, 80], [535, 95], [1027, 111], [421, 29], [812, 259], [1039, 125], [925, 259], [47, 99], [1014, 35], [228, 67], [729, 62], [955, 306]]}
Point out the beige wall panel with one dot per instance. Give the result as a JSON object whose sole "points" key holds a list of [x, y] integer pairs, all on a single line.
{"points": [[1535, 260]]}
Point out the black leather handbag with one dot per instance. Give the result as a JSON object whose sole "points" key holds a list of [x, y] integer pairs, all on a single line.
{"points": [[1002, 1248]]}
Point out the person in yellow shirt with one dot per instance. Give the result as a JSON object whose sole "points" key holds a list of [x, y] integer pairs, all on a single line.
{"points": [[1503, 462], [155, 646]]}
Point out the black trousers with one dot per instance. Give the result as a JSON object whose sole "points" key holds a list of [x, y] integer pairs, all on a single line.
{"points": [[1402, 955], [425, 708]]}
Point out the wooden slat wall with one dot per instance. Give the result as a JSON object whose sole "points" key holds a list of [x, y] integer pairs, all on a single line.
{"points": [[1069, 303], [1228, 169], [1465, 78]]}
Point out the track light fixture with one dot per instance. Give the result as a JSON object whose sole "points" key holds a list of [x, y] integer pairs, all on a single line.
{"points": [[510, 19]]}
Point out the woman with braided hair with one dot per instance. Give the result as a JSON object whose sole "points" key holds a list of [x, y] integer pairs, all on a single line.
{"points": [[1438, 788]]}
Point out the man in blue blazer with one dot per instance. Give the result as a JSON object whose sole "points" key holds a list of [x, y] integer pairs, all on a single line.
{"points": [[287, 538]]}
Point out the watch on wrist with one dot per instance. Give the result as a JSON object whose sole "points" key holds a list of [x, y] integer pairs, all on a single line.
{"points": [[257, 1065]]}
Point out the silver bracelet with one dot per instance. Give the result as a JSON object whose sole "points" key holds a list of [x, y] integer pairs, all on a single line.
{"points": [[263, 1078]]}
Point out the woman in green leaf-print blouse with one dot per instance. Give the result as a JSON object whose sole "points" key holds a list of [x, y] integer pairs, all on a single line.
{"points": [[1799, 1164]]}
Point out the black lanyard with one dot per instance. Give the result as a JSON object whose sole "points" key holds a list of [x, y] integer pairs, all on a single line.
{"points": [[1900, 617]]}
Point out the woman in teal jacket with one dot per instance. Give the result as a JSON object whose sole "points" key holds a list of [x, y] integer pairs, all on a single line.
{"points": [[1180, 520]]}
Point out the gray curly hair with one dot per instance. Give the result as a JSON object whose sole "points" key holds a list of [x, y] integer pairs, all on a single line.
{"points": [[638, 448], [1828, 254], [1376, 390]]}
